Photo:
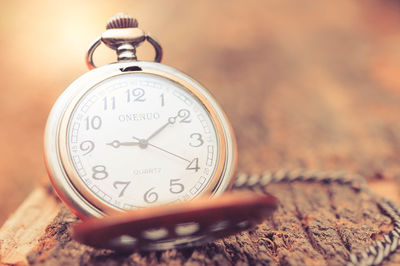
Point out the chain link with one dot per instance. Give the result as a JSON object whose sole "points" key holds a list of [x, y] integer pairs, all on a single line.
{"points": [[375, 253]]}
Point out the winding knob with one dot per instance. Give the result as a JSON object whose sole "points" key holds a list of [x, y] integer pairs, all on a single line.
{"points": [[123, 35], [122, 20]]}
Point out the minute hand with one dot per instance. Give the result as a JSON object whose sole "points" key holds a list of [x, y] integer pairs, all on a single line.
{"points": [[171, 121], [158, 131]]}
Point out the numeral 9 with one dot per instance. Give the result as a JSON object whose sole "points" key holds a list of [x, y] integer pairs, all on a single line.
{"points": [[87, 146]]}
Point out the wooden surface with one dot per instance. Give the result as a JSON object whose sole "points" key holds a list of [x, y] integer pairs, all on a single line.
{"points": [[314, 225], [314, 85], [21, 232]]}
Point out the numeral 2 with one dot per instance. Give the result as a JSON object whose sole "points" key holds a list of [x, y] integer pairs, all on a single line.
{"points": [[184, 114]]}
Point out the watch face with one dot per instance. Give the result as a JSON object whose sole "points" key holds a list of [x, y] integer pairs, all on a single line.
{"points": [[136, 140]]}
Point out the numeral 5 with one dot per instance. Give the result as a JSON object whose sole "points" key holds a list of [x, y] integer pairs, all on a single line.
{"points": [[175, 187]]}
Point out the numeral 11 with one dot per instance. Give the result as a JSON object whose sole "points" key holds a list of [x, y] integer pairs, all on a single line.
{"points": [[162, 99], [109, 103]]}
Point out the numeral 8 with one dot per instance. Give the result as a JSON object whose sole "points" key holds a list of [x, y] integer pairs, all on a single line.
{"points": [[99, 172]]}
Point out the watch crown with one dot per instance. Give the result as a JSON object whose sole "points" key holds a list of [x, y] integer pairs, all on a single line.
{"points": [[123, 35], [122, 20]]}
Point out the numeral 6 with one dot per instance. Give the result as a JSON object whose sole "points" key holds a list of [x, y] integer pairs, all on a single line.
{"points": [[150, 196]]}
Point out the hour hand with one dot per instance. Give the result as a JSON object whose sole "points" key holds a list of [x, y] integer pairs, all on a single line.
{"points": [[116, 144]]}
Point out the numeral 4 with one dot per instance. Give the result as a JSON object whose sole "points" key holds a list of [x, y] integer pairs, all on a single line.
{"points": [[194, 165]]}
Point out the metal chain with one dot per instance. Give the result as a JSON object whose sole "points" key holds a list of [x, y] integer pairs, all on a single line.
{"points": [[373, 254]]}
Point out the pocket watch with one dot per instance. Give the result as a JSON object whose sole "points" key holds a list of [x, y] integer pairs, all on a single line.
{"points": [[135, 134]]}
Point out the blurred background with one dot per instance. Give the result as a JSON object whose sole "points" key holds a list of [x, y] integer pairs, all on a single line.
{"points": [[305, 83]]}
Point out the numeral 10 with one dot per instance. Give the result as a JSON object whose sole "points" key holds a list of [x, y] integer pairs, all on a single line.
{"points": [[93, 122]]}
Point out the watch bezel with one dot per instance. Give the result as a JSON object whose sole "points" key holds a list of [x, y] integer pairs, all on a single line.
{"points": [[62, 174]]}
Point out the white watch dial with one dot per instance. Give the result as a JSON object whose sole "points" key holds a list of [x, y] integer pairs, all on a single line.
{"points": [[137, 140]]}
